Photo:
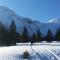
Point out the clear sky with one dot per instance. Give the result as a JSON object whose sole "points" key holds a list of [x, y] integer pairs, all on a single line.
{"points": [[42, 10]]}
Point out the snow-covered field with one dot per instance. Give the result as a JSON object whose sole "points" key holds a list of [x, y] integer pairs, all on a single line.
{"points": [[42, 51]]}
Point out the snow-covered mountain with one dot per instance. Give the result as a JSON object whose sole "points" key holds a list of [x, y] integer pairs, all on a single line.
{"points": [[7, 16], [55, 20]]}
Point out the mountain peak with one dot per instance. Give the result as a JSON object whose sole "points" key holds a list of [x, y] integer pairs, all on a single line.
{"points": [[3, 7], [6, 10], [7, 15], [55, 20]]}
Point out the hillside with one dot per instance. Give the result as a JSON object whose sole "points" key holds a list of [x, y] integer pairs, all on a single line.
{"points": [[7, 16]]}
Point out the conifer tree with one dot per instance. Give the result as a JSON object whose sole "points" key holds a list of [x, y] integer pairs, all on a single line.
{"points": [[38, 36], [12, 34], [34, 38], [49, 36], [57, 35], [25, 35], [2, 33]]}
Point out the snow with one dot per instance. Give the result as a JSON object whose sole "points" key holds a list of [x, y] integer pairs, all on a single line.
{"points": [[36, 51], [55, 20]]}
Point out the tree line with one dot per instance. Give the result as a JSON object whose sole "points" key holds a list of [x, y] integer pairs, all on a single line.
{"points": [[11, 36]]}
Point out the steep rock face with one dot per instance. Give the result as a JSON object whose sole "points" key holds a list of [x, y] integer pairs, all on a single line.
{"points": [[7, 16]]}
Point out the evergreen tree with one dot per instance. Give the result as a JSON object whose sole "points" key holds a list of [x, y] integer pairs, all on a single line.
{"points": [[57, 35], [38, 36], [2, 33], [25, 35], [34, 38], [12, 33], [18, 37], [49, 36]]}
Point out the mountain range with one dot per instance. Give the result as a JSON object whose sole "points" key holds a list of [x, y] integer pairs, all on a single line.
{"points": [[7, 16]]}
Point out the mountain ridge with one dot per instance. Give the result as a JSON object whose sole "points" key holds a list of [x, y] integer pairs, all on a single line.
{"points": [[7, 16]]}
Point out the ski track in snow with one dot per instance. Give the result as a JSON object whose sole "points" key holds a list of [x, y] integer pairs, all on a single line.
{"points": [[52, 53], [41, 57], [43, 54], [37, 52]]}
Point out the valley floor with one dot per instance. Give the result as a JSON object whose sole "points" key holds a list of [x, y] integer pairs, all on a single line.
{"points": [[42, 51]]}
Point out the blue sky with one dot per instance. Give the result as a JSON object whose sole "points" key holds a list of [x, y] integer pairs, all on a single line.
{"points": [[42, 10]]}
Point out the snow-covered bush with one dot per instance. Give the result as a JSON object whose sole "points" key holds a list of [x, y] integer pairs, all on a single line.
{"points": [[26, 55]]}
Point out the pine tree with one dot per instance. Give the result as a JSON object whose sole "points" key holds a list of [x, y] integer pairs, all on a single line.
{"points": [[38, 36], [57, 35], [25, 35], [34, 38], [12, 33], [2, 34], [49, 36], [18, 37]]}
